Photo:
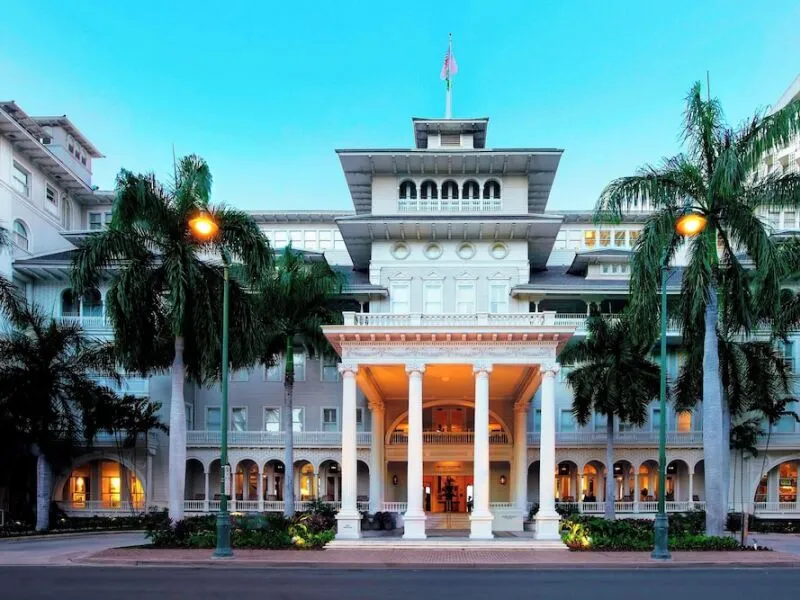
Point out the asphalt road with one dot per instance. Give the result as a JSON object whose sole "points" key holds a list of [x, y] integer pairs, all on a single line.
{"points": [[88, 583], [58, 549]]}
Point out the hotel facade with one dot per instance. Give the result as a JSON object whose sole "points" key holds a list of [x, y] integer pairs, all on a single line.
{"points": [[447, 405]]}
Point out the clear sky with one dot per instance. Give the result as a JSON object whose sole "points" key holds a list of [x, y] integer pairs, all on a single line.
{"points": [[266, 91]]}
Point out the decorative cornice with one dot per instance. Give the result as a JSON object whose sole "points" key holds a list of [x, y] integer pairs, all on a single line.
{"points": [[348, 367]]}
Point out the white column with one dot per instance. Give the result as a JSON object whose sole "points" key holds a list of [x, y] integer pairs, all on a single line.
{"points": [[348, 518], [521, 457], [232, 501], [414, 517], [481, 518], [270, 480], [207, 489], [148, 490], [691, 490], [547, 518], [376, 459], [260, 488]]}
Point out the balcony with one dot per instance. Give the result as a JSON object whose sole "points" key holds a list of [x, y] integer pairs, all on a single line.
{"points": [[646, 508], [448, 438], [541, 319], [245, 506], [273, 439], [621, 438], [449, 206]]}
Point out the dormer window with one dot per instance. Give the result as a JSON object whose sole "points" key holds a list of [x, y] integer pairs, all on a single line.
{"points": [[450, 190], [408, 190], [428, 190], [491, 190]]}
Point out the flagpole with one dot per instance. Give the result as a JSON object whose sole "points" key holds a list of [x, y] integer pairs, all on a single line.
{"points": [[448, 108]]}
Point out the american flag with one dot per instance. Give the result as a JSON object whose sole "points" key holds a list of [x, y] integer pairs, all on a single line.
{"points": [[450, 67]]}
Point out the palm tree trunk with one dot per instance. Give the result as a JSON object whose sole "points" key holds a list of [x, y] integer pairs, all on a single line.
{"points": [[726, 454], [177, 435], [763, 464], [609, 509], [714, 441], [43, 485], [288, 428]]}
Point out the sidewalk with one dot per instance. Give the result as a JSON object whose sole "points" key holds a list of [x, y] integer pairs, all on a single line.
{"points": [[435, 559]]}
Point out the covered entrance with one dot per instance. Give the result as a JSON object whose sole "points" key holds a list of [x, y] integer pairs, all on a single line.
{"points": [[482, 372]]}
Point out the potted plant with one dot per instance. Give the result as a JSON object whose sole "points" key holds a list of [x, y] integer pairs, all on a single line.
{"points": [[448, 492], [386, 521], [529, 523]]}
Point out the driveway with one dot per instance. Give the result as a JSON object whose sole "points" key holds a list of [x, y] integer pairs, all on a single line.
{"points": [[61, 549], [780, 542]]}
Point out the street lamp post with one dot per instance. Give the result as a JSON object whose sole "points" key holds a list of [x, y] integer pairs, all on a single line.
{"points": [[204, 227], [688, 225]]}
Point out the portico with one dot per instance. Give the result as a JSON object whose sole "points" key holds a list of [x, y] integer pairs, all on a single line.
{"points": [[411, 370]]}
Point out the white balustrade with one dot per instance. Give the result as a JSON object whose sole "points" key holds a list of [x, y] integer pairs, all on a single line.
{"points": [[648, 506], [449, 205], [102, 506], [84, 322], [213, 505], [247, 505], [776, 507], [255, 439], [398, 507], [448, 438], [621, 438], [194, 506], [493, 506]]}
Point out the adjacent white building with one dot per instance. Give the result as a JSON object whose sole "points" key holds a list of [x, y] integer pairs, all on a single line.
{"points": [[463, 287]]}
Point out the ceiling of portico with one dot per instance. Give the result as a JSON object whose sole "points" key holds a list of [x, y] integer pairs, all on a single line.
{"points": [[449, 382]]}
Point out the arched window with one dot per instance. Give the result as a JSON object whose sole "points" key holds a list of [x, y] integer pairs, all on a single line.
{"points": [[21, 240], [408, 190], [70, 307], [428, 190], [92, 303], [472, 190], [449, 190], [491, 190]]}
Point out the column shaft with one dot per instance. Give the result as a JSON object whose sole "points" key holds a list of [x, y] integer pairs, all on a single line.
{"points": [[481, 518], [376, 460], [547, 519], [521, 459], [414, 518], [349, 520]]}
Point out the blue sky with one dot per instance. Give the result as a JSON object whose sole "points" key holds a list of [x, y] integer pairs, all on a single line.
{"points": [[266, 91]]}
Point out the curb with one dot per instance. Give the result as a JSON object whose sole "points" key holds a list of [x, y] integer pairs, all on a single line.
{"points": [[251, 564]]}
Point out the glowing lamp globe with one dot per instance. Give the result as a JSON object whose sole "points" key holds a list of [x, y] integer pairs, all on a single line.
{"points": [[203, 225], [690, 225]]}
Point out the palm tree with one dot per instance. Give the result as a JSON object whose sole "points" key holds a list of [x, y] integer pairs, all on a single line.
{"points": [[613, 377], [715, 178], [10, 296], [48, 401], [165, 296], [297, 299]]}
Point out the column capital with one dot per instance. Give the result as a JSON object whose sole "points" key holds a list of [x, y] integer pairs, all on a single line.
{"points": [[522, 406], [345, 368], [415, 367], [376, 406], [482, 367], [550, 369]]}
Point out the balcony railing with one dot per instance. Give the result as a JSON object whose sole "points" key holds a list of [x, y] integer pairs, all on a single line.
{"points": [[251, 506], [463, 205], [648, 507], [102, 506], [261, 439], [449, 319], [621, 438], [99, 323], [136, 386], [448, 438]]}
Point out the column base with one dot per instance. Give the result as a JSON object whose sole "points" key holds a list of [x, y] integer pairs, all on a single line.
{"points": [[508, 520], [547, 526], [414, 526], [348, 525], [480, 525]]}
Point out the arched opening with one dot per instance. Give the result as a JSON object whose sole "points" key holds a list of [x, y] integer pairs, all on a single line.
{"points": [[102, 484], [778, 485], [593, 473], [428, 190], [246, 481], [396, 489], [648, 481], [408, 190], [273, 480], [92, 303], [362, 482], [491, 190], [21, 237], [330, 481], [624, 481], [533, 482], [567, 481], [305, 480], [214, 482], [195, 487], [449, 190], [70, 305], [699, 482], [677, 482], [444, 423], [471, 190]]}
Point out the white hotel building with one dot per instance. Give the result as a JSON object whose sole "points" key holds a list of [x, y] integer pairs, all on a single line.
{"points": [[463, 288]]}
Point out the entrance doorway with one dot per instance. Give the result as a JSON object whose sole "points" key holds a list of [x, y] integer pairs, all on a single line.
{"points": [[447, 493]]}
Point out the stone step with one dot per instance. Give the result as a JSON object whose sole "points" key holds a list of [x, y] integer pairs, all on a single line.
{"points": [[449, 544]]}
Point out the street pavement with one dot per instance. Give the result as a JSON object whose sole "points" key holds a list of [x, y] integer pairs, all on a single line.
{"points": [[89, 583], [62, 549], [780, 542]]}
